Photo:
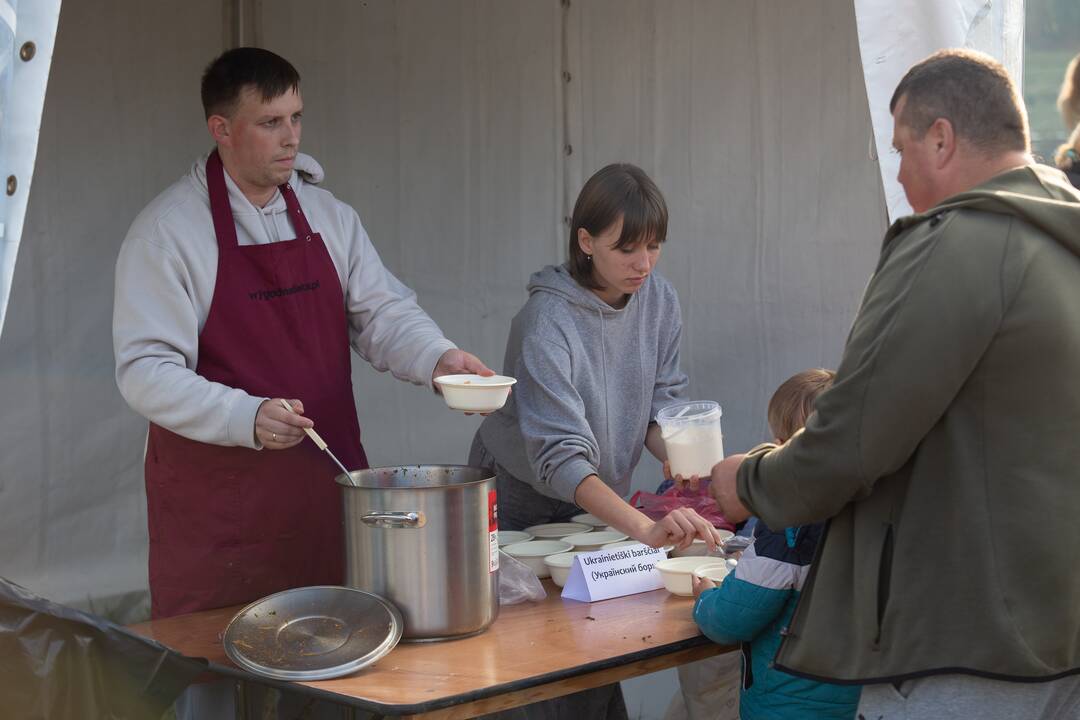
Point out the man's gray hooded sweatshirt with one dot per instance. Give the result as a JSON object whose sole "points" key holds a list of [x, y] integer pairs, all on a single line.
{"points": [[590, 380]]}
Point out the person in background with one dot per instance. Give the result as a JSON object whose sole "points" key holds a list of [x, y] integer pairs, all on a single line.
{"points": [[949, 432], [1067, 157], [755, 602]]}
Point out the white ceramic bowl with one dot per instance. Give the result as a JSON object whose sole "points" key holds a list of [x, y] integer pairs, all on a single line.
{"points": [[509, 537], [474, 393], [619, 544], [533, 552], [555, 531], [589, 541], [677, 573], [713, 571], [587, 519], [698, 547], [559, 566]]}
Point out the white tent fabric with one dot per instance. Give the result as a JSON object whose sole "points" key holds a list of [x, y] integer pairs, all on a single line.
{"points": [[447, 126], [893, 36], [461, 131], [22, 92]]}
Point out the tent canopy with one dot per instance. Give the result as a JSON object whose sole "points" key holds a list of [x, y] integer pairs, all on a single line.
{"points": [[461, 132]]}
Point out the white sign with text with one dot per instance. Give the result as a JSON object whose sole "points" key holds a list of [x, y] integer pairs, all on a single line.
{"points": [[604, 574]]}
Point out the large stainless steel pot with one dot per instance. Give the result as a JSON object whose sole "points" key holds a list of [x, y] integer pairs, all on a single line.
{"points": [[422, 536]]}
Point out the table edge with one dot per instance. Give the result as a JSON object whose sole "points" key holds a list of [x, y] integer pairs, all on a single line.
{"points": [[447, 701]]}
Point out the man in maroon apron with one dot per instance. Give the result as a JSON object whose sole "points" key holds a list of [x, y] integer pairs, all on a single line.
{"points": [[237, 520]]}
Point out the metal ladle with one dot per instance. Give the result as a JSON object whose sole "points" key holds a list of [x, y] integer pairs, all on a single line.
{"points": [[320, 443]]}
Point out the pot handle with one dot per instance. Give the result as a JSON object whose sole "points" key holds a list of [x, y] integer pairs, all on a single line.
{"points": [[393, 519]]}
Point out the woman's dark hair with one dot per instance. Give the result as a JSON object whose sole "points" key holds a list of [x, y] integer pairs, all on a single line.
{"points": [[618, 190], [225, 78]]}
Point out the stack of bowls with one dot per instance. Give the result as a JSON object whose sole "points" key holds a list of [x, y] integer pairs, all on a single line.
{"points": [[533, 552], [557, 531], [715, 571], [587, 542], [509, 537], [592, 521], [621, 544], [548, 540], [677, 572], [698, 547], [559, 565]]}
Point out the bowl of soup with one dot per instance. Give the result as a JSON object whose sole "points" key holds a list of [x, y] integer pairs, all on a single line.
{"points": [[475, 393]]}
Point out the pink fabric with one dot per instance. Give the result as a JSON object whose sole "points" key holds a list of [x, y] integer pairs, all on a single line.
{"points": [[657, 506]]}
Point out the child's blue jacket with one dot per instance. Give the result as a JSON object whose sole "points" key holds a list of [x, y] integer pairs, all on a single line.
{"points": [[752, 606]]}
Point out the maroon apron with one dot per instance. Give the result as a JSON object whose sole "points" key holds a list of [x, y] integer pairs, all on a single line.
{"points": [[230, 524]]}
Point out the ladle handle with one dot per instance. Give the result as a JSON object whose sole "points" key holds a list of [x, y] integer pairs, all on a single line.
{"points": [[315, 438], [320, 443]]}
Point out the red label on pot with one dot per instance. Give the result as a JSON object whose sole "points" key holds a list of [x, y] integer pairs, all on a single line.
{"points": [[493, 533]]}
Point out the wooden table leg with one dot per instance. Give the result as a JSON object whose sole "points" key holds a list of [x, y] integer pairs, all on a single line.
{"points": [[240, 700]]}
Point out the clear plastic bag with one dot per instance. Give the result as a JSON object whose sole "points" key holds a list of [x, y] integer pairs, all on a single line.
{"points": [[517, 582], [657, 506]]}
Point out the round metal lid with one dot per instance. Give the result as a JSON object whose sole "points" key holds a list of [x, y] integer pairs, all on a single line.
{"points": [[312, 633]]}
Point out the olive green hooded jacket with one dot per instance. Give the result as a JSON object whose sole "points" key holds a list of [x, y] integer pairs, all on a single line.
{"points": [[947, 453]]}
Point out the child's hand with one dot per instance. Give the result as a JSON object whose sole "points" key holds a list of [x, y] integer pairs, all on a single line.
{"points": [[701, 585], [681, 483]]}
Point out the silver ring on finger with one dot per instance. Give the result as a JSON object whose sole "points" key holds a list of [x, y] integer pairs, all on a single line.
{"points": [[274, 435]]}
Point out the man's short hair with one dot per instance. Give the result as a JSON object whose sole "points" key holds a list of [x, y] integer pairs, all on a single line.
{"points": [[973, 92], [617, 190], [225, 78], [793, 402]]}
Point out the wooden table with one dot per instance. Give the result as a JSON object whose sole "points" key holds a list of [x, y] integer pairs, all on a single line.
{"points": [[533, 651]]}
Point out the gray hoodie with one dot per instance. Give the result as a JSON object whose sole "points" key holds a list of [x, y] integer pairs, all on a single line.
{"points": [[590, 380]]}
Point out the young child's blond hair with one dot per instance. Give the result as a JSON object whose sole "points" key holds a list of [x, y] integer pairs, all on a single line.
{"points": [[793, 401]]}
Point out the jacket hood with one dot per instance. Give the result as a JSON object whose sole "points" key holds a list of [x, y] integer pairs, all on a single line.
{"points": [[305, 168], [1038, 194], [557, 280]]}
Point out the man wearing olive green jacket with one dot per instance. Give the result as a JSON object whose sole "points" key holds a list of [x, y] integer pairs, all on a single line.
{"points": [[947, 453]]}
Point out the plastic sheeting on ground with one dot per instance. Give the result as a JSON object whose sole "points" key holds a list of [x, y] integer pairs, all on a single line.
{"points": [[59, 663]]}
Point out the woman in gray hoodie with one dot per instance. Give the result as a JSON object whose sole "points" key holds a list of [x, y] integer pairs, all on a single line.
{"points": [[595, 351], [596, 354]]}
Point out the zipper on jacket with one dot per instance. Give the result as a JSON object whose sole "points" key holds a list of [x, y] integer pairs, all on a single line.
{"points": [[787, 633], [884, 575]]}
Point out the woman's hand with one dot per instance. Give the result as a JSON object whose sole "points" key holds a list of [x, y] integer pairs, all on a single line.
{"points": [[680, 482], [679, 528], [700, 585]]}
